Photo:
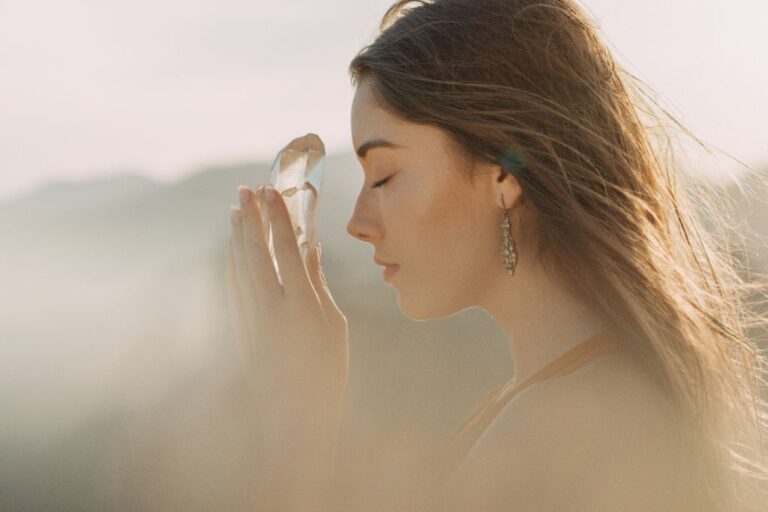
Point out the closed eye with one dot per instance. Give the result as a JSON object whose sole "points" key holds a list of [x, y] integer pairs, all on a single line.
{"points": [[380, 182]]}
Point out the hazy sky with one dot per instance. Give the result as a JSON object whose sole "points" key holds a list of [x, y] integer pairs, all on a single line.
{"points": [[162, 87]]}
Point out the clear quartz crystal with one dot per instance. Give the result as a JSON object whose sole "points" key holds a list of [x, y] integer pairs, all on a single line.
{"points": [[297, 173]]}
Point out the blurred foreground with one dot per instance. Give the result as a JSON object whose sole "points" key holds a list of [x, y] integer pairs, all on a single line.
{"points": [[119, 385]]}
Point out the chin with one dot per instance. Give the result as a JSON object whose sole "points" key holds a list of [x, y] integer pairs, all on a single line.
{"points": [[425, 308]]}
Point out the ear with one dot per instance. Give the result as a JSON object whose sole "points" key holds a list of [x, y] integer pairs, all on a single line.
{"points": [[506, 185]]}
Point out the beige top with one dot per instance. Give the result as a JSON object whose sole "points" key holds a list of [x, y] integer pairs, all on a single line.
{"points": [[461, 440]]}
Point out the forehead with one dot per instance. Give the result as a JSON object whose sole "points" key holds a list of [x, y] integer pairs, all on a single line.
{"points": [[370, 121]]}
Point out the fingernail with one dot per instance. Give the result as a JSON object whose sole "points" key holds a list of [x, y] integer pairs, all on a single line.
{"points": [[245, 195], [271, 194], [319, 250], [234, 214]]}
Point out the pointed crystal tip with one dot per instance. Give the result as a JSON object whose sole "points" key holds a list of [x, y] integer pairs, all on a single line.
{"points": [[309, 142]]}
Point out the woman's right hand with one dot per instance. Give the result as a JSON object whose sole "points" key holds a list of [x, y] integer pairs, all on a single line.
{"points": [[293, 338]]}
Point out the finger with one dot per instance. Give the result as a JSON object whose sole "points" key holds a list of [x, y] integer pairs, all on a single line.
{"points": [[257, 258], [332, 312], [259, 194], [235, 306], [317, 282], [293, 270], [251, 308]]}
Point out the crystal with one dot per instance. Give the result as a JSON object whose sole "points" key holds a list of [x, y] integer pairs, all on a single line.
{"points": [[297, 173]]}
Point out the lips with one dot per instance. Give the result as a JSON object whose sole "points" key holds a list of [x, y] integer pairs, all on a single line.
{"points": [[390, 271]]}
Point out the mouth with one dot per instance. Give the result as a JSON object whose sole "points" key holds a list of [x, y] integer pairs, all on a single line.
{"points": [[390, 271]]}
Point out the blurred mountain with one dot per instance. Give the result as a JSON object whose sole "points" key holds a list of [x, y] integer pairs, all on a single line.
{"points": [[119, 385], [70, 196]]}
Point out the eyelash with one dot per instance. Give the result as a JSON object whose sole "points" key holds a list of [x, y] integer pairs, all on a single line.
{"points": [[380, 182]]}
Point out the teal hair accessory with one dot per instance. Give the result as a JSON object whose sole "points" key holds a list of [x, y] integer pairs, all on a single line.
{"points": [[511, 161]]}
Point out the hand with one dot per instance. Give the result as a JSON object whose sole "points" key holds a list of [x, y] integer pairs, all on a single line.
{"points": [[292, 337]]}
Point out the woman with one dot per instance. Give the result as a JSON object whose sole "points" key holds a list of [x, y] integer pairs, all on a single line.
{"points": [[506, 168]]}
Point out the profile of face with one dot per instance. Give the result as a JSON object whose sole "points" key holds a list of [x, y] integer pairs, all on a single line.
{"points": [[444, 234]]}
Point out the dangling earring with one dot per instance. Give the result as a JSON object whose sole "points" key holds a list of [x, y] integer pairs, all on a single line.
{"points": [[508, 250]]}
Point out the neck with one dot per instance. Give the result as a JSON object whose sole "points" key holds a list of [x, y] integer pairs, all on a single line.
{"points": [[540, 319]]}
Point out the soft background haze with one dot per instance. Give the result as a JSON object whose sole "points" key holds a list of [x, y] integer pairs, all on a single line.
{"points": [[125, 129], [160, 87]]}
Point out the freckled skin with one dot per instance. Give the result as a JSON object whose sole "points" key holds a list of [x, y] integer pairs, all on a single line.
{"points": [[444, 233], [446, 236]]}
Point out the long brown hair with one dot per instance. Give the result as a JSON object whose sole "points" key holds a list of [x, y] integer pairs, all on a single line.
{"points": [[530, 85]]}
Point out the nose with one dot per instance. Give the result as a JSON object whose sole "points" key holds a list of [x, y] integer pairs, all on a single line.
{"points": [[365, 223]]}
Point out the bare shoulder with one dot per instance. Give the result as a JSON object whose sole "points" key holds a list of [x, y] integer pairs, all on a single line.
{"points": [[611, 399], [600, 438]]}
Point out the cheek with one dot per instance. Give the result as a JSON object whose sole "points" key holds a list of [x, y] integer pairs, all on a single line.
{"points": [[466, 233], [442, 217]]}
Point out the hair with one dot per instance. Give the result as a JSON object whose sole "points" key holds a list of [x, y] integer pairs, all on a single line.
{"points": [[529, 85]]}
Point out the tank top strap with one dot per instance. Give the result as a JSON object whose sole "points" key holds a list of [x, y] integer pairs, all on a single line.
{"points": [[566, 362], [460, 441]]}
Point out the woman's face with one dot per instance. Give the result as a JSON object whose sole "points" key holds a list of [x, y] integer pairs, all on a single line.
{"points": [[444, 233]]}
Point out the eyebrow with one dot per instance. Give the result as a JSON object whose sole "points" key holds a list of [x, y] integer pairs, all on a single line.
{"points": [[375, 143]]}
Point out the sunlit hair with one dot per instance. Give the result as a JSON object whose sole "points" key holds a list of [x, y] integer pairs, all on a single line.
{"points": [[530, 85]]}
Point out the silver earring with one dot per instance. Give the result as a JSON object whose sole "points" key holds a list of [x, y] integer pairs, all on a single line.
{"points": [[508, 249]]}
